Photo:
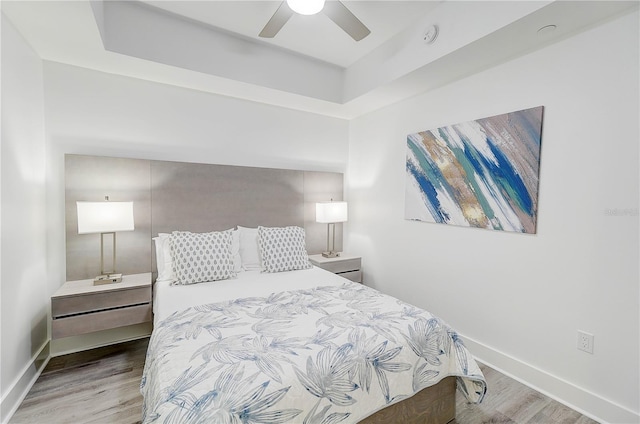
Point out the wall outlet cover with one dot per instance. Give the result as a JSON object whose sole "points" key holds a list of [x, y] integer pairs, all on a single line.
{"points": [[585, 341]]}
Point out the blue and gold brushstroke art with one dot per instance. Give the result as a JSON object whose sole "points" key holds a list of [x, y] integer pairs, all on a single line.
{"points": [[481, 173]]}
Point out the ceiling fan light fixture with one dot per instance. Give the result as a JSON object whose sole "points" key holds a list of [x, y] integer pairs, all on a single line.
{"points": [[306, 7]]}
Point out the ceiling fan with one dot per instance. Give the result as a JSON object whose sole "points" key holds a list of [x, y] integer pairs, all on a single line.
{"points": [[335, 10]]}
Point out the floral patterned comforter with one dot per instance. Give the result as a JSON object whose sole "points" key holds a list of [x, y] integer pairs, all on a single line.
{"points": [[319, 356]]}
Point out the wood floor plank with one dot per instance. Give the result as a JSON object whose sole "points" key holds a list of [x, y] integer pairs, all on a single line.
{"points": [[555, 412], [101, 386], [525, 406], [509, 401]]}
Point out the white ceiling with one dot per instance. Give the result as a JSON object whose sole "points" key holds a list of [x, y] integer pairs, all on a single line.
{"points": [[316, 36], [311, 65]]}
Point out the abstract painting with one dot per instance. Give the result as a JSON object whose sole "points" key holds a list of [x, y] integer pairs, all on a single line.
{"points": [[482, 173]]}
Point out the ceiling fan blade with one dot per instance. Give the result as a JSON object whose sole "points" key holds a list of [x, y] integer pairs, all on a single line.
{"points": [[338, 13], [277, 21]]}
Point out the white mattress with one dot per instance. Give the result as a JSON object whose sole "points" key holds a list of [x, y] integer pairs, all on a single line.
{"points": [[168, 299]]}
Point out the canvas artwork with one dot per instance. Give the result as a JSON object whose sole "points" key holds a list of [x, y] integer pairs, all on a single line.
{"points": [[482, 173]]}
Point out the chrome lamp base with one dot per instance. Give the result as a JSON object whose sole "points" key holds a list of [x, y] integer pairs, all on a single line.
{"points": [[107, 277], [331, 236]]}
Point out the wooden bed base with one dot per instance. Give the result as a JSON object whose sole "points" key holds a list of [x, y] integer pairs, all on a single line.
{"points": [[433, 405]]}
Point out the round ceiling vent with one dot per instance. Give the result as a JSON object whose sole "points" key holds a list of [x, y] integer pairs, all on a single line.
{"points": [[547, 29]]}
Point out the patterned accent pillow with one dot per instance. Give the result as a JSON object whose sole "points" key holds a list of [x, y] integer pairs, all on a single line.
{"points": [[201, 257], [282, 249]]}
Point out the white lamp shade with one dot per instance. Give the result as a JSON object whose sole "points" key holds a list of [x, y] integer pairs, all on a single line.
{"points": [[331, 212], [306, 7], [104, 217]]}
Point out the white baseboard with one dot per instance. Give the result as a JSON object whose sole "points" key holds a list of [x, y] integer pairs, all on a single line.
{"points": [[587, 403], [20, 387]]}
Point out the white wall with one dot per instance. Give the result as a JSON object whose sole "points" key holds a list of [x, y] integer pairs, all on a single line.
{"points": [[520, 299], [23, 277], [89, 112]]}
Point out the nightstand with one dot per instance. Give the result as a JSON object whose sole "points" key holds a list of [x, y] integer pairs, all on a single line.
{"points": [[79, 307], [346, 266]]}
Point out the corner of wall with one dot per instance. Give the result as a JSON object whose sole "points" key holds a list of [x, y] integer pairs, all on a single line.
{"points": [[20, 387]]}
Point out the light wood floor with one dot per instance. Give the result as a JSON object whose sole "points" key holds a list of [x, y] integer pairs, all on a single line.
{"points": [[102, 386]]}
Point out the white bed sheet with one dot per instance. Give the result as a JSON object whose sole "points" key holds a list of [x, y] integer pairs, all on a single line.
{"points": [[167, 298]]}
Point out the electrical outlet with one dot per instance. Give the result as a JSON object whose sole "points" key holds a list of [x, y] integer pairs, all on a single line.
{"points": [[585, 342]]}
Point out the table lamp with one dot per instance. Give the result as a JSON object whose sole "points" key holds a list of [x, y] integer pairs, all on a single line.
{"points": [[105, 218], [331, 213]]}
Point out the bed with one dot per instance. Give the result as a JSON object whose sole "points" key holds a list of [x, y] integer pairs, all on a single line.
{"points": [[287, 345], [292, 343]]}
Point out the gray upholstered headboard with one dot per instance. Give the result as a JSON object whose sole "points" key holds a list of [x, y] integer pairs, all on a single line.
{"points": [[171, 196]]}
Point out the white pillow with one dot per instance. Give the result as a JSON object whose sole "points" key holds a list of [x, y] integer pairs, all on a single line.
{"points": [[235, 250], [249, 251], [283, 249], [164, 261], [201, 257]]}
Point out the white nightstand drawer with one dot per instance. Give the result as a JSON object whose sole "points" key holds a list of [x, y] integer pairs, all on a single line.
{"points": [[79, 307], [346, 266], [72, 305], [355, 276], [96, 321]]}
